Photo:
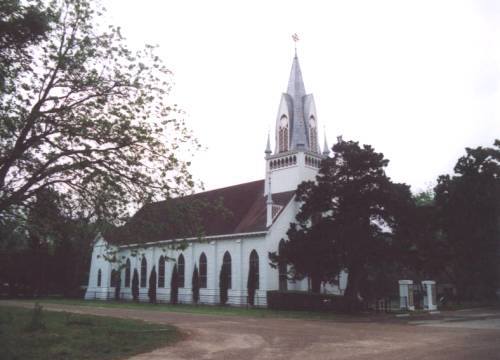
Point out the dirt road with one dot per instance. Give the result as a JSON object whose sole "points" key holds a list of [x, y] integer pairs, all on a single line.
{"points": [[472, 334]]}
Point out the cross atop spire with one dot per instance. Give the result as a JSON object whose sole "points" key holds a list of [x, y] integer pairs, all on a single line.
{"points": [[295, 38]]}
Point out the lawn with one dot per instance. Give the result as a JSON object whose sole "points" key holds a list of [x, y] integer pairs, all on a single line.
{"points": [[58, 335], [198, 309]]}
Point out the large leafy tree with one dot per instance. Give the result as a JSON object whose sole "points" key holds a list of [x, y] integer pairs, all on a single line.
{"points": [[350, 219], [468, 206], [21, 25], [87, 117]]}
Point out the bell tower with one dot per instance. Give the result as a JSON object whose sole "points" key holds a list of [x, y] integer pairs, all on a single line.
{"points": [[297, 156]]}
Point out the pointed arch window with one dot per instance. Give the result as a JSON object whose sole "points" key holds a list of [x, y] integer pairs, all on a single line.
{"points": [[283, 133], [282, 269], [161, 272], [127, 273], [203, 271], [144, 272], [226, 262], [180, 270], [99, 276], [254, 266], [313, 134]]}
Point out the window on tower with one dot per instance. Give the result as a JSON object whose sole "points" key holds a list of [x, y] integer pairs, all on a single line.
{"points": [[283, 134], [313, 134]]}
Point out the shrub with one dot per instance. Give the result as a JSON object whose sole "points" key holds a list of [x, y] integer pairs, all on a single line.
{"points": [[174, 286], [302, 300], [223, 284], [118, 283], [36, 322], [196, 285], [152, 286], [135, 286], [251, 285]]}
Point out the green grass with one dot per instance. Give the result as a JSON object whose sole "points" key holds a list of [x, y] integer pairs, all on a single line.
{"points": [[69, 336], [203, 309]]}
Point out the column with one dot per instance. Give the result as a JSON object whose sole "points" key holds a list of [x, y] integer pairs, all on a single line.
{"points": [[430, 293], [406, 295]]}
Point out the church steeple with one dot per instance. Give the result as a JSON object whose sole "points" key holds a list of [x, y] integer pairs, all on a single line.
{"points": [[297, 155], [296, 124]]}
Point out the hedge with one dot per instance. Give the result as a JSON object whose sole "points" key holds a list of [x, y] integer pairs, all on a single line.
{"points": [[302, 300]]}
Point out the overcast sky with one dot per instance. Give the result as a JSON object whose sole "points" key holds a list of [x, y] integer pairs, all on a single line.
{"points": [[418, 80]]}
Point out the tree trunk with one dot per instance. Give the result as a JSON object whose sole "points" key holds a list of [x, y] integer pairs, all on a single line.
{"points": [[355, 274], [315, 284]]}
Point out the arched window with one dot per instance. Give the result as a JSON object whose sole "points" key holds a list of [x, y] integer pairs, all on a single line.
{"points": [[254, 266], [161, 272], [313, 134], [283, 134], [127, 273], [226, 262], [99, 278], [282, 269], [144, 272], [203, 270], [180, 270]]}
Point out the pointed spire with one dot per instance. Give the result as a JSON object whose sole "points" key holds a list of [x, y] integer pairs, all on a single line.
{"points": [[296, 88], [326, 150], [268, 147]]}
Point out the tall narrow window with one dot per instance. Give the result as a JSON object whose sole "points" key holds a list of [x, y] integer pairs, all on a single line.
{"points": [[144, 272], [161, 272], [282, 269], [180, 270], [127, 273], [313, 134], [254, 266], [283, 134], [226, 262], [99, 278], [203, 270]]}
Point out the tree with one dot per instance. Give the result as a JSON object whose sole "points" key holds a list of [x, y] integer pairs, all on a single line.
{"points": [[21, 25], [195, 285], [174, 286], [348, 220], [468, 207], [88, 118], [152, 286], [47, 249], [135, 286], [223, 284], [251, 284]]}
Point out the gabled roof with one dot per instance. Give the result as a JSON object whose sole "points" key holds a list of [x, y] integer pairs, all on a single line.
{"points": [[230, 210]]}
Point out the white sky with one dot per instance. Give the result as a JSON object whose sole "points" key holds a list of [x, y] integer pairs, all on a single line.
{"points": [[418, 80]]}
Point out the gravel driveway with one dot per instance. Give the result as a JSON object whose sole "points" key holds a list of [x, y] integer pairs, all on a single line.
{"points": [[471, 334]]}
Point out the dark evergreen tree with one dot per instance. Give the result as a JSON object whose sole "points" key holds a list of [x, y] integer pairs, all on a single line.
{"points": [[195, 285], [135, 286], [152, 286], [174, 286], [251, 284], [349, 220], [118, 283], [223, 284], [468, 206]]}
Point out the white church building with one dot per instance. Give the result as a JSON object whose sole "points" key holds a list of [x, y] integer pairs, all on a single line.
{"points": [[257, 217]]}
